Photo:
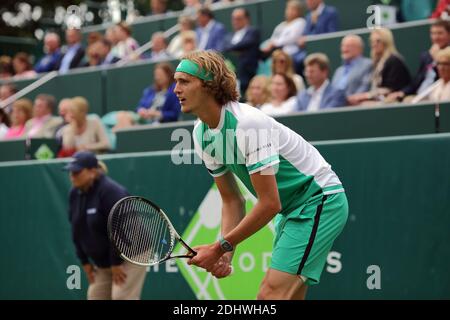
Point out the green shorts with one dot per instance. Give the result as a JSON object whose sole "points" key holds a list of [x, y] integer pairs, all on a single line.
{"points": [[305, 235]]}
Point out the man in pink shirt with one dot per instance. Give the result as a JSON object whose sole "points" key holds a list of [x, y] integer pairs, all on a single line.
{"points": [[43, 124]]}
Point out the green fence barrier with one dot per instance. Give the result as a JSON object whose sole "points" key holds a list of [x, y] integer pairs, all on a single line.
{"points": [[124, 86], [343, 123], [398, 222], [21, 149], [86, 82], [12, 45]]}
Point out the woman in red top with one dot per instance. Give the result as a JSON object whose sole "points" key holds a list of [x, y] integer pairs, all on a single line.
{"points": [[442, 6]]}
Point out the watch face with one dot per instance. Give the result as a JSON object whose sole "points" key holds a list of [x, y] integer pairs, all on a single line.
{"points": [[227, 246]]}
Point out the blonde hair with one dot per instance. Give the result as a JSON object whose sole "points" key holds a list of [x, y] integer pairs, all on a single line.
{"points": [[277, 54], [266, 89], [80, 104], [188, 35], [444, 53], [224, 86], [25, 105], [387, 38], [103, 168]]}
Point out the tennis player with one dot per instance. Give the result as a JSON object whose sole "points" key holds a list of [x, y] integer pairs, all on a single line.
{"points": [[289, 177]]}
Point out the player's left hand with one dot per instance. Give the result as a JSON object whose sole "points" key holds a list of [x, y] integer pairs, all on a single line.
{"points": [[222, 268], [207, 256], [118, 274]]}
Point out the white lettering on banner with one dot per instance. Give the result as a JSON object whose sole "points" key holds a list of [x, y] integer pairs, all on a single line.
{"points": [[171, 266], [247, 256], [266, 260], [247, 263]]}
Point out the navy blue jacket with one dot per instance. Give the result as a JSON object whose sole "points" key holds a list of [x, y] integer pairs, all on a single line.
{"points": [[248, 54], [88, 215], [171, 108], [48, 62], [426, 60], [328, 21]]}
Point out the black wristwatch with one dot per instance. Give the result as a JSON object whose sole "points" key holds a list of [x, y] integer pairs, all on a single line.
{"points": [[225, 245]]}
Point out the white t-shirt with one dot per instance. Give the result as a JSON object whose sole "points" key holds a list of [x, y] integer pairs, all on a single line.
{"points": [[286, 35], [286, 107], [247, 141]]}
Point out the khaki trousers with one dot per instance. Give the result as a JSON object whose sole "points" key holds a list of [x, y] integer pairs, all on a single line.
{"points": [[104, 289]]}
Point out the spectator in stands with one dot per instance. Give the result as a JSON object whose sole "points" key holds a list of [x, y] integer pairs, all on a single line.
{"points": [[6, 91], [22, 110], [83, 133], [93, 37], [159, 47], [4, 123], [175, 46], [244, 41], [440, 90], [354, 76], [210, 33], [217, 4], [73, 51], [191, 7], [427, 73], [22, 66], [321, 19], [91, 198], [258, 91], [110, 35], [282, 63], [390, 72], [43, 124], [52, 53], [98, 54], [158, 6], [158, 103], [442, 10], [321, 94], [126, 44], [6, 68], [63, 111], [93, 56], [188, 43], [104, 49], [286, 34], [282, 96]]}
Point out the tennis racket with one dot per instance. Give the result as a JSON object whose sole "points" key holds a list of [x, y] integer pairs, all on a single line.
{"points": [[142, 233]]}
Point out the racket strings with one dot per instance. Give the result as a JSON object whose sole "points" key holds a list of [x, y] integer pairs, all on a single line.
{"points": [[141, 232]]}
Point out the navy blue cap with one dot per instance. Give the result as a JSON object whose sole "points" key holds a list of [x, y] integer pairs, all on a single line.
{"points": [[82, 160]]}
